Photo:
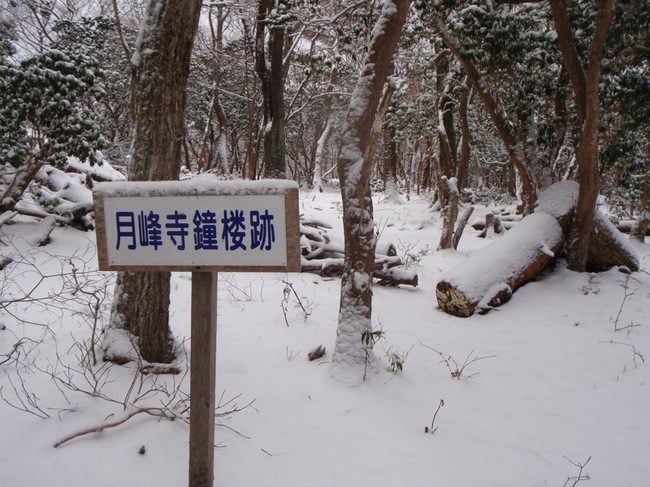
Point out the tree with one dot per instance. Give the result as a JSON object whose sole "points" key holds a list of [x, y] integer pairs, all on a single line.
{"points": [[586, 86], [275, 15], [354, 167], [160, 67], [46, 111]]}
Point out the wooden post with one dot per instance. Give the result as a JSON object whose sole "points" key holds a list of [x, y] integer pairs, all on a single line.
{"points": [[145, 226], [202, 378]]}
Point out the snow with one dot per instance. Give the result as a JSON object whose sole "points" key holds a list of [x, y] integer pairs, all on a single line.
{"points": [[505, 257], [558, 199], [104, 172], [623, 242], [202, 184], [562, 385]]}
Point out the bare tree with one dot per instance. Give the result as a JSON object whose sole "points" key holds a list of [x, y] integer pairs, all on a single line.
{"points": [[160, 67], [354, 166]]}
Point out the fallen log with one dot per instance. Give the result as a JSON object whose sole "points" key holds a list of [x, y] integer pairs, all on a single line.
{"points": [[324, 254], [627, 226], [607, 246], [385, 269], [395, 277], [490, 276], [334, 266]]}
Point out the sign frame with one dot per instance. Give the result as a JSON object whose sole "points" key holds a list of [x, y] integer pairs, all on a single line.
{"points": [[196, 189]]}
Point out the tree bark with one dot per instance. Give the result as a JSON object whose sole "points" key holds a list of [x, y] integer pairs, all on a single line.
{"points": [[354, 174], [159, 78], [570, 57], [272, 77], [463, 159], [640, 227], [389, 164], [24, 175]]}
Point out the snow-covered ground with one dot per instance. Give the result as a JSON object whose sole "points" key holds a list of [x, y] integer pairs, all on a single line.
{"points": [[554, 385]]}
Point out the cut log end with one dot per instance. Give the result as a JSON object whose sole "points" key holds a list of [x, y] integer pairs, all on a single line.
{"points": [[453, 301]]}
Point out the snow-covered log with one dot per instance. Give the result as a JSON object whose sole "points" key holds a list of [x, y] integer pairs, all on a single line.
{"points": [[395, 277], [627, 226], [559, 200], [384, 269], [489, 277], [323, 253], [607, 246]]}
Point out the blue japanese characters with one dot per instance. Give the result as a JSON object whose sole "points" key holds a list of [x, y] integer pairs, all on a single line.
{"points": [[199, 224], [235, 230]]}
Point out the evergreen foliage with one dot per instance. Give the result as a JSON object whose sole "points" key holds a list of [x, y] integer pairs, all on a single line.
{"points": [[43, 110]]}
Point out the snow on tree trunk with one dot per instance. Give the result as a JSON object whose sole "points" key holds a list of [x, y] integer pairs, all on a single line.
{"points": [[389, 161], [449, 199], [354, 174], [321, 145], [18, 184], [490, 276], [159, 78]]}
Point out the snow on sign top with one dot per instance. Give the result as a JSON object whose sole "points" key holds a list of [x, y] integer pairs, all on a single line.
{"points": [[200, 224]]}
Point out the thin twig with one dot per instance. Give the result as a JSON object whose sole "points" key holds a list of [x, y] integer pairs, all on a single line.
{"points": [[578, 477]]}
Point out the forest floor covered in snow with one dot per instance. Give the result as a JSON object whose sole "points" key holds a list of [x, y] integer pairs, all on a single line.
{"points": [[556, 378]]}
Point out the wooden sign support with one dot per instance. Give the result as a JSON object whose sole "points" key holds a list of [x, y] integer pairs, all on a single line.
{"points": [[203, 378], [203, 226]]}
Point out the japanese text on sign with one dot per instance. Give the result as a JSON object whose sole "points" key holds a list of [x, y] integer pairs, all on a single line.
{"points": [[145, 230], [212, 230]]}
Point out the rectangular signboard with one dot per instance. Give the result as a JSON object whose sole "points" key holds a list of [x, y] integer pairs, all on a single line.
{"points": [[200, 224]]}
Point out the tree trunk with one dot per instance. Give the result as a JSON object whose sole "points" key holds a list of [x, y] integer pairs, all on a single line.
{"points": [[158, 82], [586, 88], [570, 57], [389, 163], [323, 139], [18, 184], [354, 174], [640, 228], [272, 78], [448, 195], [463, 159]]}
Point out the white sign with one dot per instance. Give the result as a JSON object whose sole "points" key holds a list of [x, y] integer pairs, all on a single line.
{"points": [[165, 226]]}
